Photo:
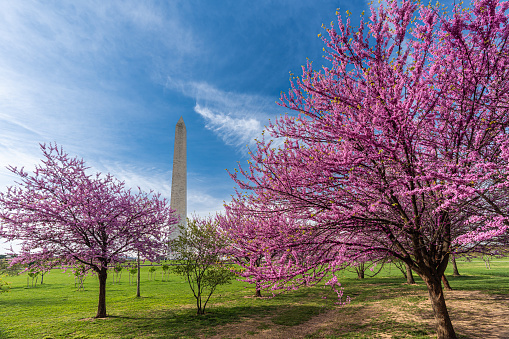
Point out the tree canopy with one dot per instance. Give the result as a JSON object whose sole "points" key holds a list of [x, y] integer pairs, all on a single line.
{"points": [[399, 149], [63, 215]]}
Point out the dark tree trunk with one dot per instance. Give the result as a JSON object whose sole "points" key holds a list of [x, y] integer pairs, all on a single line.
{"points": [[409, 276], [360, 271], [455, 272], [446, 283], [101, 307], [258, 293], [200, 309], [436, 296], [42, 278], [138, 281]]}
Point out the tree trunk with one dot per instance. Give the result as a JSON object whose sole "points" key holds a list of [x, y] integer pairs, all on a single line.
{"points": [[446, 283], [436, 296], [200, 310], [138, 281], [258, 293], [101, 307], [486, 262], [455, 272], [360, 273], [409, 276]]}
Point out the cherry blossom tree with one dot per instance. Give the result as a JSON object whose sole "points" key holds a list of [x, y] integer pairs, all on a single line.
{"points": [[62, 212], [243, 247], [399, 149]]}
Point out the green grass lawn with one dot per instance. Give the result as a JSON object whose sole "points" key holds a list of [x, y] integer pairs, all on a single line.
{"points": [[167, 309]]}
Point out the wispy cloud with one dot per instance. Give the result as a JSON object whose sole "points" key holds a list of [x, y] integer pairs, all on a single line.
{"points": [[15, 156], [237, 118], [65, 67], [93, 30], [66, 74], [233, 131]]}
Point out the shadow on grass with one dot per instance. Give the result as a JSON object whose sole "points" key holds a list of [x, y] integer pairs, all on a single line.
{"points": [[297, 315], [186, 323]]}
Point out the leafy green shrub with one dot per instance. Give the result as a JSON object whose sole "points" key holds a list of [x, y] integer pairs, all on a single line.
{"points": [[198, 252], [7, 269], [4, 285]]}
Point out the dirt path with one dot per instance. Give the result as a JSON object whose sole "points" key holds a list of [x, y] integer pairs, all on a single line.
{"points": [[474, 315]]}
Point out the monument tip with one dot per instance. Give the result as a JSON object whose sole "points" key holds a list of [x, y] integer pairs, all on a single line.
{"points": [[181, 121]]}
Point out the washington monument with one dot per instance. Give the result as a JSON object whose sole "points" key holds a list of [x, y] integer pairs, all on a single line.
{"points": [[178, 199]]}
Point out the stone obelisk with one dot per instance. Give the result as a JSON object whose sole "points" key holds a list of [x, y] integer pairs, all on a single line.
{"points": [[178, 199]]}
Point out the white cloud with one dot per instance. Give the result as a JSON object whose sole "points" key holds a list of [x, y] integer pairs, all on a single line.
{"points": [[41, 32], [63, 65], [237, 118], [17, 157], [233, 131]]}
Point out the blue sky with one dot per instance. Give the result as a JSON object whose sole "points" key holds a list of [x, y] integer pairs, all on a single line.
{"points": [[108, 81]]}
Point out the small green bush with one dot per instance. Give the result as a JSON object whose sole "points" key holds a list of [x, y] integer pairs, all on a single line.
{"points": [[4, 285], [198, 252]]}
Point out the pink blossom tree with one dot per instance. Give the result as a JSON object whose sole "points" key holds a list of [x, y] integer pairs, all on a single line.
{"points": [[61, 212], [243, 246], [399, 149]]}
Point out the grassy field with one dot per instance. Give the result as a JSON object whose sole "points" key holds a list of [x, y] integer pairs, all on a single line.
{"points": [[167, 310]]}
